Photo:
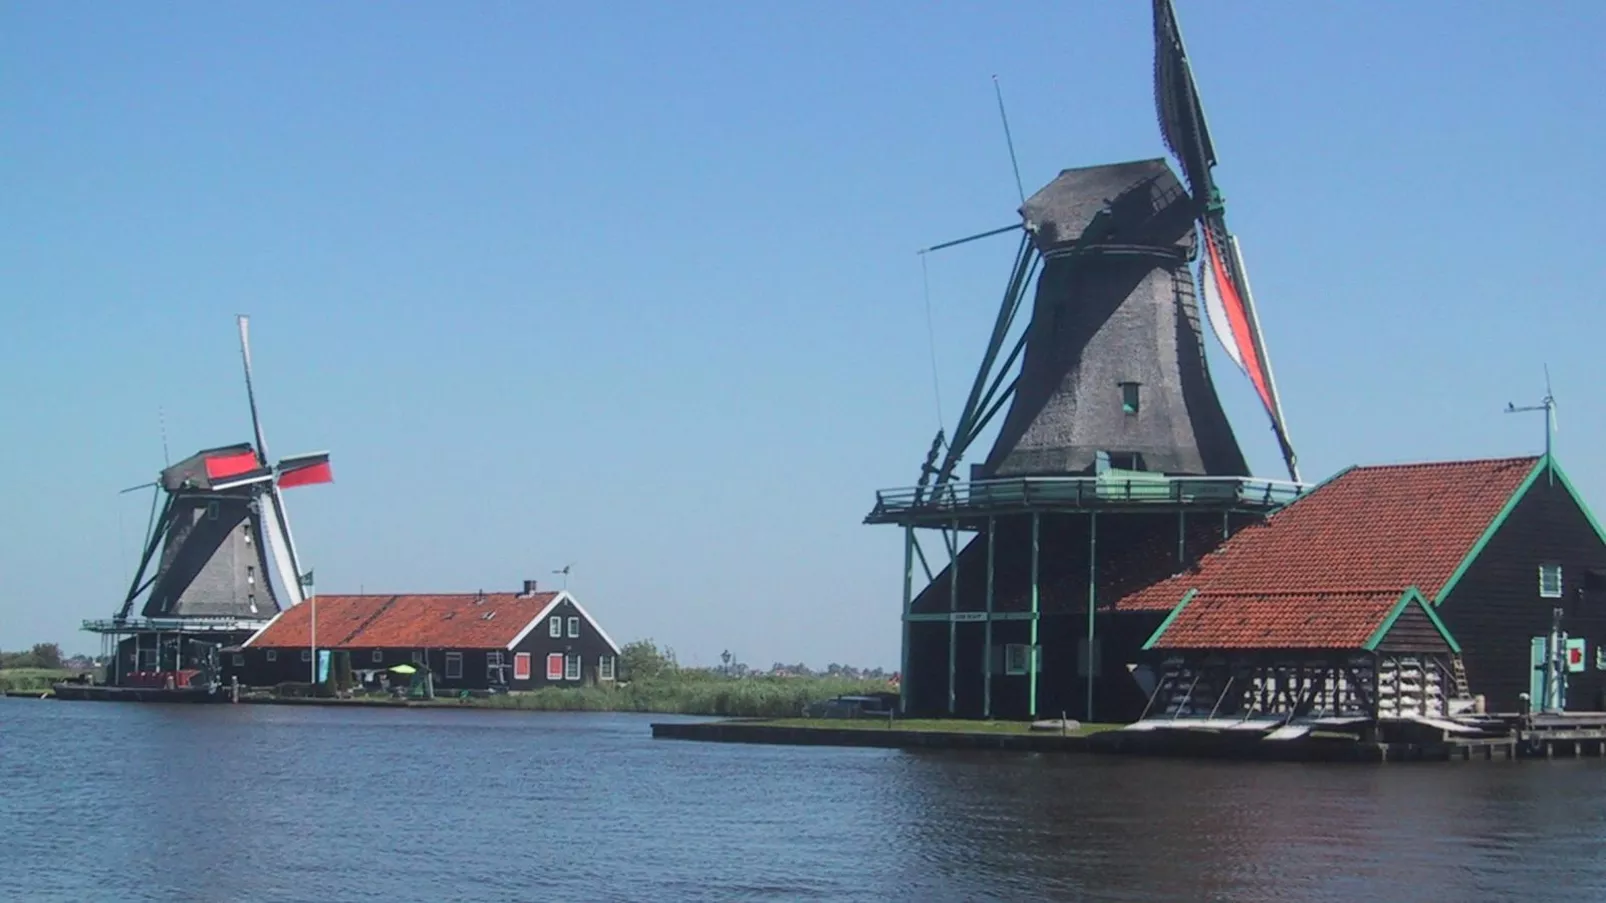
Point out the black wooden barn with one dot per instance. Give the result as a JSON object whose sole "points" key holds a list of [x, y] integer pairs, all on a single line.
{"points": [[1506, 555], [479, 641]]}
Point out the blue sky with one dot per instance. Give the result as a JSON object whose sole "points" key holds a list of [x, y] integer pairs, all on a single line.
{"points": [[633, 285]]}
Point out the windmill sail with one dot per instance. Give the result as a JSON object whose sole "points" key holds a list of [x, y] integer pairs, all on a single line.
{"points": [[1228, 301]]}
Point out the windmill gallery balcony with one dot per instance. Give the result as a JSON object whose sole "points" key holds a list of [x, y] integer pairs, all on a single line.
{"points": [[968, 505]]}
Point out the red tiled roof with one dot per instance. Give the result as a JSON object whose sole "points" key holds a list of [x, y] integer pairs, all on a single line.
{"points": [[1382, 528], [450, 621], [1278, 620]]}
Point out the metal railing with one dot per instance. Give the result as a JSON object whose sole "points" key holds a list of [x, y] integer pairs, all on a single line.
{"points": [[174, 625], [1088, 492]]}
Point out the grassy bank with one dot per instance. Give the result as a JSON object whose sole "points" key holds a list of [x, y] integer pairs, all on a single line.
{"points": [[758, 697], [934, 725], [675, 694], [31, 678]]}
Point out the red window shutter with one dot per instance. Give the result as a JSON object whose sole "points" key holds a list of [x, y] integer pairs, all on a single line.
{"points": [[554, 666], [521, 666]]}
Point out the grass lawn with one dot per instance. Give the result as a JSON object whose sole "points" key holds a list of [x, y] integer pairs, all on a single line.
{"points": [[937, 725]]}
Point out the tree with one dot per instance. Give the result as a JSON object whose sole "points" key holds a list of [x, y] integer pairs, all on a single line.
{"points": [[46, 655], [641, 660]]}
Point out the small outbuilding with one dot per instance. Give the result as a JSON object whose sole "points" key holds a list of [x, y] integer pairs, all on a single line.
{"points": [[1451, 579], [467, 641]]}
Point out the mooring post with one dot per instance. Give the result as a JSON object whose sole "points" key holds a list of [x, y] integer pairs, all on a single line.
{"points": [[908, 602], [1031, 649], [987, 650]]}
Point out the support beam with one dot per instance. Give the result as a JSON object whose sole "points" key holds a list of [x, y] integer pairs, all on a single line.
{"points": [[987, 649], [1182, 536], [1031, 667], [908, 605], [1092, 603], [952, 541]]}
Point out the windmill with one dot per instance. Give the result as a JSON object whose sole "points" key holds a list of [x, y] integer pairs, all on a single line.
{"points": [[222, 522], [1114, 463]]}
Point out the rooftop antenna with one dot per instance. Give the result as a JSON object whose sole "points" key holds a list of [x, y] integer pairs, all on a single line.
{"points": [[1548, 405], [161, 420], [565, 572]]}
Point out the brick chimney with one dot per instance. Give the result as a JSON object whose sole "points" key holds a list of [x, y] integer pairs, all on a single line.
{"points": [[529, 588]]}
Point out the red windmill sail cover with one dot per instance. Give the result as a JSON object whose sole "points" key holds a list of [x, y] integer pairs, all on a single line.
{"points": [[229, 465], [1224, 304], [305, 471]]}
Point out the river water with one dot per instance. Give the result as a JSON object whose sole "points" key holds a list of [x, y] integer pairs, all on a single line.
{"points": [[106, 801]]}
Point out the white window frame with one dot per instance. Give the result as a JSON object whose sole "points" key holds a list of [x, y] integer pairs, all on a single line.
{"points": [[239, 660], [418, 656], [378, 655], [571, 666], [1017, 658], [306, 655], [555, 627], [604, 667], [549, 658], [529, 666], [454, 658], [493, 665], [1546, 591], [273, 655], [574, 628]]}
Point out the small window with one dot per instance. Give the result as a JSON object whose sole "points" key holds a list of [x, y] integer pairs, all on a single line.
{"points": [[418, 656], [250, 575], [379, 655], [306, 655], [555, 626], [454, 665], [273, 655], [239, 660], [574, 627], [1129, 398], [1017, 658], [245, 529], [554, 666], [521, 666], [1550, 581], [571, 667], [605, 667], [493, 666], [493, 658], [211, 510]]}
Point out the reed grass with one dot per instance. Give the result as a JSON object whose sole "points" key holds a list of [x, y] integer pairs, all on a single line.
{"points": [[753, 697]]}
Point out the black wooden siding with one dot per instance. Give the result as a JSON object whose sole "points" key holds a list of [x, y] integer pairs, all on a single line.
{"points": [[1132, 551], [1413, 631], [1496, 609]]}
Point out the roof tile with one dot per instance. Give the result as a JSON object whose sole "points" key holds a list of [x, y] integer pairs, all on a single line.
{"points": [[1328, 620], [1382, 528], [375, 621]]}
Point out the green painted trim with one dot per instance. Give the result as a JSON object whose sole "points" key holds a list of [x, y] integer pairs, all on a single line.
{"points": [[1411, 594], [1164, 625], [1494, 527], [1578, 499]]}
